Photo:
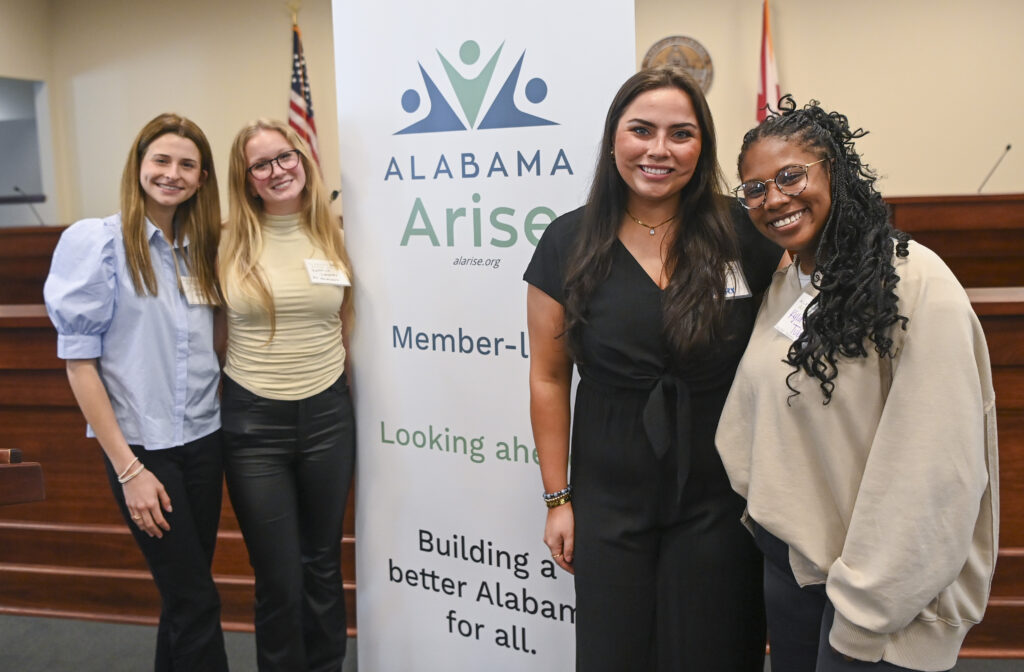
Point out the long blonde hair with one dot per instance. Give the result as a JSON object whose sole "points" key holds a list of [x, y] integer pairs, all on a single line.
{"points": [[243, 235], [198, 218]]}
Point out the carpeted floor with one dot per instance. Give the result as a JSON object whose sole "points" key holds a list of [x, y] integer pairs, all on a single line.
{"points": [[61, 645]]}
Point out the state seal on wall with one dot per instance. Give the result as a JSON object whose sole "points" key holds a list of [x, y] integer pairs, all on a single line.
{"points": [[684, 52]]}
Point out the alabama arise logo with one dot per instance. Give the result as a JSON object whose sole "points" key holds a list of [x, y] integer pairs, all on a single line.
{"points": [[470, 93]]}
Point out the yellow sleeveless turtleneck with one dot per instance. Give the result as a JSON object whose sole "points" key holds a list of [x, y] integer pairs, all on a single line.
{"points": [[306, 354]]}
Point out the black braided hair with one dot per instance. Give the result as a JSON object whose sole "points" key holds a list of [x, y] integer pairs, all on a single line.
{"points": [[854, 270]]}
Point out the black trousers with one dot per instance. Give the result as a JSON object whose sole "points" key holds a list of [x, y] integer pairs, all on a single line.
{"points": [[189, 637], [800, 619], [289, 465], [665, 581]]}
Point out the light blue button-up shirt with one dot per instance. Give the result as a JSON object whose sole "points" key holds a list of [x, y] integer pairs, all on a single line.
{"points": [[155, 353]]}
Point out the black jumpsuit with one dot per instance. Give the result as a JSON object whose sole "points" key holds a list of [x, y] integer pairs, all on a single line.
{"points": [[667, 578]]}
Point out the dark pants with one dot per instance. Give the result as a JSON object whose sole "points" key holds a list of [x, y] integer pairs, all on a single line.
{"points": [[664, 581], [289, 466], [800, 619], [189, 636]]}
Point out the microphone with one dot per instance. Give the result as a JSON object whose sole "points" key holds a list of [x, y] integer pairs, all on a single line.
{"points": [[998, 161], [31, 207]]}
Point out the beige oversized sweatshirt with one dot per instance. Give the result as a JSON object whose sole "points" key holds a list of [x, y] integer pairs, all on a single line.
{"points": [[889, 494]]}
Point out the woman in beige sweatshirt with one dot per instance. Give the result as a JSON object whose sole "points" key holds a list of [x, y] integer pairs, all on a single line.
{"points": [[861, 423]]}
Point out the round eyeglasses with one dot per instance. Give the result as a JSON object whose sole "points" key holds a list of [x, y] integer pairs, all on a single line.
{"points": [[285, 161], [791, 181]]}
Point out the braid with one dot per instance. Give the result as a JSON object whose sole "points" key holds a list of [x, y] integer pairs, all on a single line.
{"points": [[854, 271]]}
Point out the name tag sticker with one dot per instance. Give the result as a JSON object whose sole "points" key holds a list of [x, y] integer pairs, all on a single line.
{"points": [[735, 282], [323, 272], [792, 323], [190, 287]]}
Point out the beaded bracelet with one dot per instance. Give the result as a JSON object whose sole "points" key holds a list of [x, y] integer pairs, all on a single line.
{"points": [[553, 499], [548, 496]]}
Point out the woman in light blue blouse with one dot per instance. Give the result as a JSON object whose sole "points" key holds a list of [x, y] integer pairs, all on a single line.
{"points": [[132, 297]]}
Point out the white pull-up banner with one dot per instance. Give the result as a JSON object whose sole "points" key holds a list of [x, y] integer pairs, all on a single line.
{"points": [[465, 129]]}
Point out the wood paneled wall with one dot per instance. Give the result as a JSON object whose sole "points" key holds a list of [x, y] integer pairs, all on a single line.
{"points": [[71, 555], [1000, 634], [981, 238], [25, 253]]}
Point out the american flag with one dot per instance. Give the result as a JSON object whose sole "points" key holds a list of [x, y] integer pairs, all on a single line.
{"points": [[300, 111]]}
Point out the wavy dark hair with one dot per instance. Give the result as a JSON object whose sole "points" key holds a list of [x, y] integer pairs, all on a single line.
{"points": [[854, 270], [693, 303]]}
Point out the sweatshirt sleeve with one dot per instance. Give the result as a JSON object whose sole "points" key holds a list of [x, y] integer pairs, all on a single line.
{"points": [[918, 503]]}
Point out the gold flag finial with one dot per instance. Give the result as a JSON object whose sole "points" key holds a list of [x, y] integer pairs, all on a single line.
{"points": [[294, 6]]}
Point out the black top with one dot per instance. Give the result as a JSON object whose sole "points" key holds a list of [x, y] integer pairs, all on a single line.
{"points": [[623, 347]]}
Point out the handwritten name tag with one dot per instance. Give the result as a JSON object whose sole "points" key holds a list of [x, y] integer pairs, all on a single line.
{"points": [[792, 323], [323, 272], [735, 282]]}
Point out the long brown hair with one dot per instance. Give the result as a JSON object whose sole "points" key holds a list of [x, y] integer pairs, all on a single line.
{"points": [[198, 218], [693, 305], [243, 236]]}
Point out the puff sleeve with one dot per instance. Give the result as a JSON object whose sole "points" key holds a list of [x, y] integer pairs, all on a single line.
{"points": [[81, 289]]}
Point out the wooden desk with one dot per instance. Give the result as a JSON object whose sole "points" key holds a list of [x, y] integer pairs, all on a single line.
{"points": [[22, 482]]}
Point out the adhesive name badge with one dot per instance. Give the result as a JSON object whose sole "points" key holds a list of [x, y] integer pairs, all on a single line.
{"points": [[323, 272], [735, 282], [193, 294], [792, 323]]}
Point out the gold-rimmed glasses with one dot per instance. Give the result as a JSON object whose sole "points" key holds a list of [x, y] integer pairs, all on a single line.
{"points": [[791, 181]]}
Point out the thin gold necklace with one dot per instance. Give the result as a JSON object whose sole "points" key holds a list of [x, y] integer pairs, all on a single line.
{"points": [[648, 226]]}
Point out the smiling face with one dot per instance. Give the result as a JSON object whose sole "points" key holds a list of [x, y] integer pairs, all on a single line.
{"points": [[657, 146], [793, 222], [170, 173], [281, 192]]}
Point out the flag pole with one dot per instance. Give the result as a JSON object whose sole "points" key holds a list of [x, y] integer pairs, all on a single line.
{"points": [[768, 82], [300, 106]]}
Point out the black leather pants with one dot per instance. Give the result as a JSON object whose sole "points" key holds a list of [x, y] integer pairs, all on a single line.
{"points": [[289, 466]]}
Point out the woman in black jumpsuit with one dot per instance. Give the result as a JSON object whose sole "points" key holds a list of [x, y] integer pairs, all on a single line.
{"points": [[666, 576]]}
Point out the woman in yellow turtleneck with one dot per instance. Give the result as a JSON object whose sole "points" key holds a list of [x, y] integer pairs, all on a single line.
{"points": [[289, 429]]}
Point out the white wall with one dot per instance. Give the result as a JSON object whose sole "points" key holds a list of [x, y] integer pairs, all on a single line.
{"points": [[115, 65], [118, 64], [25, 46], [25, 39], [936, 82]]}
